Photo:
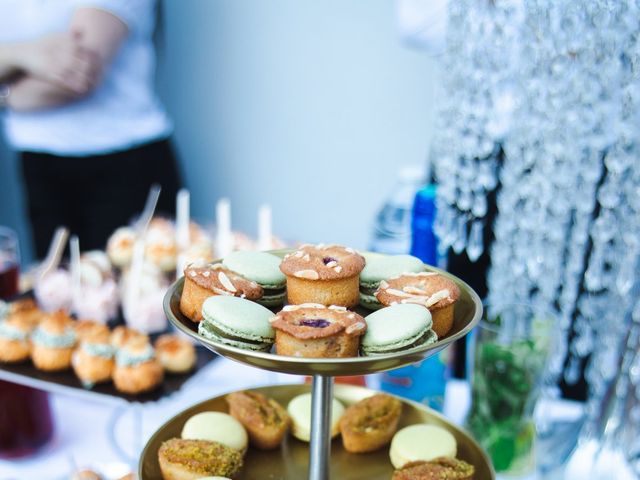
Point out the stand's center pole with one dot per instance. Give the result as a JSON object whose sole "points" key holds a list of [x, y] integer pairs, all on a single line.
{"points": [[320, 448]]}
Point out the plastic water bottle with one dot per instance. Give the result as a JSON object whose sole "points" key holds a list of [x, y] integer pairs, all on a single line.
{"points": [[424, 381], [392, 228]]}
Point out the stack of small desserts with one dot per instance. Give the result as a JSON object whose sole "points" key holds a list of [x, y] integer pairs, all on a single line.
{"points": [[234, 302], [54, 342], [215, 443], [99, 298]]}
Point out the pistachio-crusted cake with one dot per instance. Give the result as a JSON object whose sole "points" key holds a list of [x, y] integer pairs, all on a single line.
{"points": [[442, 468], [182, 459]]}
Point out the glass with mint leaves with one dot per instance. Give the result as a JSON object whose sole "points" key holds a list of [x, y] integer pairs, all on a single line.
{"points": [[509, 352]]}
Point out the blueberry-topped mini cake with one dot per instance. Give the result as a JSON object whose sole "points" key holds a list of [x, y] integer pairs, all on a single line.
{"points": [[325, 274], [316, 331], [202, 282], [429, 289]]}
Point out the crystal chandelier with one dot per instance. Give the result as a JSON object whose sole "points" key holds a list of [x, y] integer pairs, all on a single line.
{"points": [[542, 105]]}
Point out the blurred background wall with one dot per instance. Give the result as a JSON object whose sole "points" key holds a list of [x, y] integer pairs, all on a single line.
{"points": [[310, 106]]}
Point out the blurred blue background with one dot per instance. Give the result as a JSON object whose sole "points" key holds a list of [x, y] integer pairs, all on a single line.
{"points": [[309, 106]]}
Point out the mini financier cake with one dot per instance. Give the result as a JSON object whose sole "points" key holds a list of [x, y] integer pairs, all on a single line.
{"points": [[429, 289], [315, 331], [202, 282], [370, 424], [326, 274], [265, 420]]}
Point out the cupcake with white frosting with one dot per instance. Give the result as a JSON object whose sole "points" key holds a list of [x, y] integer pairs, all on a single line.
{"points": [[14, 339]]}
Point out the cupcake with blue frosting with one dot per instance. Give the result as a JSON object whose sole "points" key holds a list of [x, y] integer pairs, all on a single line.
{"points": [[53, 342], [14, 336], [137, 370], [93, 360]]}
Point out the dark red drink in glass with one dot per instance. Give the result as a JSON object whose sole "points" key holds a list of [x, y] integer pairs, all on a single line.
{"points": [[8, 279], [25, 415], [25, 420]]}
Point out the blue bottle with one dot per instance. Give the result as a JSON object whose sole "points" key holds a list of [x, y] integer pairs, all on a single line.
{"points": [[424, 381], [424, 243]]}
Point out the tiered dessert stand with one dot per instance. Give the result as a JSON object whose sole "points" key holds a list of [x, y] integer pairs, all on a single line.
{"points": [[468, 311]]}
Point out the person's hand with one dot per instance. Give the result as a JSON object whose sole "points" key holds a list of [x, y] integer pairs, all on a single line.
{"points": [[61, 59]]}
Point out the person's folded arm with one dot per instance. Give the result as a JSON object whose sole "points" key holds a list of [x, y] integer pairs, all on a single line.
{"points": [[9, 66], [99, 35]]}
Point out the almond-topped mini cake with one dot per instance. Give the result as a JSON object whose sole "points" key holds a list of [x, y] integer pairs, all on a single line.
{"points": [[429, 289], [315, 331], [326, 274], [202, 282]]}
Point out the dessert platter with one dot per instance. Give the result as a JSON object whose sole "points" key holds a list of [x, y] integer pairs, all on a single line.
{"points": [[322, 311], [55, 353], [468, 310]]}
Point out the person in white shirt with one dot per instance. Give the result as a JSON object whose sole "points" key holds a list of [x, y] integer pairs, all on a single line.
{"points": [[77, 86]]}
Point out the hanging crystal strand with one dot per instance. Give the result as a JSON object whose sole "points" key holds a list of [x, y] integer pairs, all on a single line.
{"points": [[609, 444], [614, 233], [482, 45], [475, 243]]}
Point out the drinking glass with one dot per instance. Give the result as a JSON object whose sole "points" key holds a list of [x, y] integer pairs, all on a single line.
{"points": [[509, 351], [25, 415], [9, 263]]}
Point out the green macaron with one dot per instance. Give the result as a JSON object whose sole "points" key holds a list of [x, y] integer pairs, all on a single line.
{"points": [[382, 267], [237, 322], [398, 327], [264, 269]]}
